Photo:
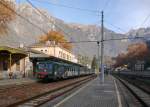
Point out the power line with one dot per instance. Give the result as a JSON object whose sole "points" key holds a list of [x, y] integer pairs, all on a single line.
{"points": [[56, 25], [79, 42], [23, 17], [105, 40], [120, 29], [66, 33], [128, 38], [70, 41], [38, 26], [66, 6], [106, 4], [145, 20]]}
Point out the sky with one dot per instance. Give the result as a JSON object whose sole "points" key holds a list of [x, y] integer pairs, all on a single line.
{"points": [[119, 15]]}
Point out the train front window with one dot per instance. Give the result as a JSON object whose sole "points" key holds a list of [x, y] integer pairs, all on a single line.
{"points": [[45, 66], [41, 66]]}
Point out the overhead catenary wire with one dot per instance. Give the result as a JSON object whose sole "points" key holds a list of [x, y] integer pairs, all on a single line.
{"points": [[105, 40], [66, 33], [128, 38], [69, 41], [36, 25], [120, 29], [67, 6], [105, 5], [146, 18]]}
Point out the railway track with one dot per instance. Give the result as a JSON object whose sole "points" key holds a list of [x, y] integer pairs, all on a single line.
{"points": [[17, 87], [139, 83], [41, 99], [141, 97]]}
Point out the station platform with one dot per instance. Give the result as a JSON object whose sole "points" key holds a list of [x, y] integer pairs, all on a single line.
{"points": [[94, 94], [7, 82]]}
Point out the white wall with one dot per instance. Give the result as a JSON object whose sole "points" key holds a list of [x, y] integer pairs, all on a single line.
{"points": [[57, 52]]}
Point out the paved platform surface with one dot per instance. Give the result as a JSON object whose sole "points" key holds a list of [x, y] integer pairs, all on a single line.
{"points": [[94, 94], [16, 81]]}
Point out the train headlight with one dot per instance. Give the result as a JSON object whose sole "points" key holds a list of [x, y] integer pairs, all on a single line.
{"points": [[55, 73], [44, 70]]}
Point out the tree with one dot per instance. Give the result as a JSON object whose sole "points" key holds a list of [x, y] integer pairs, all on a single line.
{"points": [[94, 64], [135, 52], [6, 14], [58, 37]]}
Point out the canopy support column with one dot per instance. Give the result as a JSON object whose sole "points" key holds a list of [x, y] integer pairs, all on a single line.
{"points": [[10, 60]]}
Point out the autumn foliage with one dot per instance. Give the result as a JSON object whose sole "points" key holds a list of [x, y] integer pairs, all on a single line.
{"points": [[58, 37], [137, 51], [6, 14]]}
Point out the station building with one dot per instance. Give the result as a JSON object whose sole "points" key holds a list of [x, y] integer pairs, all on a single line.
{"points": [[15, 62], [54, 50]]}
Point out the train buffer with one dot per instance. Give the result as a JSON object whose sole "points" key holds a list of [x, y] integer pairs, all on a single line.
{"points": [[94, 94]]}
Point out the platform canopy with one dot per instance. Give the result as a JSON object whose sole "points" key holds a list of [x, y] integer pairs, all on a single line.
{"points": [[11, 55], [12, 50]]}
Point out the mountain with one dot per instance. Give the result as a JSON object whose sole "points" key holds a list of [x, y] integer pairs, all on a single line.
{"points": [[22, 31]]}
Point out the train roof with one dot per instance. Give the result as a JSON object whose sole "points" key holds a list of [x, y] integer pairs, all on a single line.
{"points": [[56, 59]]}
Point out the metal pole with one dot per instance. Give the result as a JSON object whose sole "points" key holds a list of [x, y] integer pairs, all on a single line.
{"points": [[98, 46], [102, 46]]}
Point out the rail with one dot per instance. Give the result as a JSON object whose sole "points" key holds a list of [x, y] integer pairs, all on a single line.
{"points": [[141, 96], [50, 95]]}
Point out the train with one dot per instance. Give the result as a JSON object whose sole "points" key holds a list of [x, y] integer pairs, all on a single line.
{"points": [[54, 68]]}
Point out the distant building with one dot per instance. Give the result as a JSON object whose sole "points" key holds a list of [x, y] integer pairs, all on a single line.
{"points": [[52, 49], [139, 66]]}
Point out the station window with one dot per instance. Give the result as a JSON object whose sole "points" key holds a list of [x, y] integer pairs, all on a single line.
{"points": [[60, 54], [67, 57], [70, 58], [63, 55]]}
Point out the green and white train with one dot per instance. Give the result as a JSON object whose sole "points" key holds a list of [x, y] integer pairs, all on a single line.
{"points": [[56, 68]]}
